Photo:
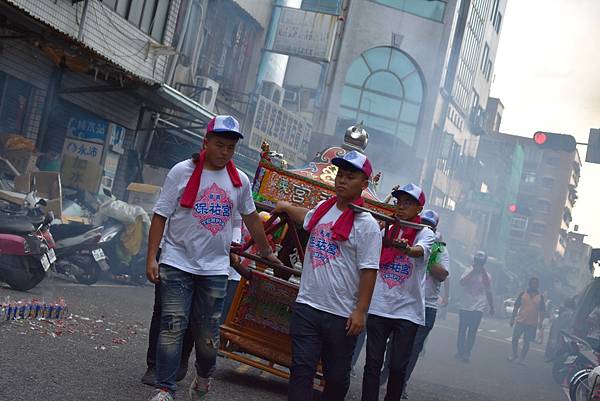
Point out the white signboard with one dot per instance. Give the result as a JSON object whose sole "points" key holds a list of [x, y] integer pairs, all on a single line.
{"points": [[286, 132], [304, 34], [83, 150]]}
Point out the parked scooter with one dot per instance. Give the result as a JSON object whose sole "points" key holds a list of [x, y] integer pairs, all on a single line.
{"points": [[26, 252], [124, 237], [576, 355], [78, 251]]}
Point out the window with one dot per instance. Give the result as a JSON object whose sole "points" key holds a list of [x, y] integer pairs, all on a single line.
{"points": [[538, 228], [497, 122], [430, 9], [498, 24], [148, 15], [322, 6], [529, 177], [486, 55], [518, 223], [384, 90], [495, 8], [230, 37], [544, 206], [475, 102], [548, 182], [553, 160], [14, 101], [488, 69]]}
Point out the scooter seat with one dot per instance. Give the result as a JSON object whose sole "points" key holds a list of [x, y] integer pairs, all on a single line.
{"points": [[61, 231], [15, 224]]}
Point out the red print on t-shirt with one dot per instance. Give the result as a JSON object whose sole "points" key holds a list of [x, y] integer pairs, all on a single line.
{"points": [[322, 247], [213, 209]]}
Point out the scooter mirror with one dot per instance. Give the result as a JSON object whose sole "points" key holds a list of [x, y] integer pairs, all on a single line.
{"points": [[49, 218]]}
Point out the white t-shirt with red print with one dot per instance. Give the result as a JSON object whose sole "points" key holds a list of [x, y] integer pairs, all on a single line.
{"points": [[197, 240], [474, 291], [400, 286], [331, 271]]}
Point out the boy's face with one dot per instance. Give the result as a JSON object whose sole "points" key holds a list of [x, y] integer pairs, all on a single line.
{"points": [[407, 207], [349, 184], [534, 284], [219, 149]]}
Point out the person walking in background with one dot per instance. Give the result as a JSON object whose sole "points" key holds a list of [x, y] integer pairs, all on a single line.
{"points": [[477, 288], [527, 318]]}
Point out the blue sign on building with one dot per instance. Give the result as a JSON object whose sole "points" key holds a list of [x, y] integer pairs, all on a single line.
{"points": [[89, 129]]}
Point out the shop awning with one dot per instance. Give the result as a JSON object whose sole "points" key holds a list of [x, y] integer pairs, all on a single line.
{"points": [[184, 103]]}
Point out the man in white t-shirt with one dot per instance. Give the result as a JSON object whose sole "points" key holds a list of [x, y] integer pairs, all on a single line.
{"points": [[476, 283], [200, 196], [398, 304], [340, 266]]}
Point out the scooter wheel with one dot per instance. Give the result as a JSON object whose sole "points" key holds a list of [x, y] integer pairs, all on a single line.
{"points": [[27, 277], [578, 386], [90, 271]]}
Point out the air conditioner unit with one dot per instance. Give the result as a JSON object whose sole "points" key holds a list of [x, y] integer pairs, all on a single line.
{"points": [[181, 75], [206, 92], [272, 91]]}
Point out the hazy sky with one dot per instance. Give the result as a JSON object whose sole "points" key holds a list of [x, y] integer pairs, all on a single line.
{"points": [[547, 74]]}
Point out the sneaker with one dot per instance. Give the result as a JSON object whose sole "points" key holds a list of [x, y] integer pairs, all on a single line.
{"points": [[199, 387], [522, 362], [161, 395], [512, 358], [465, 359], [149, 377]]}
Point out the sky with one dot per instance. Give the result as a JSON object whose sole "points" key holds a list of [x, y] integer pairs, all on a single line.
{"points": [[547, 75]]}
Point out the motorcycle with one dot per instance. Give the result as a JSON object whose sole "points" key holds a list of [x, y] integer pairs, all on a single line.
{"points": [[124, 237], [133, 267], [78, 251], [576, 355], [26, 244]]}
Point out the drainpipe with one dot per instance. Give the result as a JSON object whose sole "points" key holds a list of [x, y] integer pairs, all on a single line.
{"points": [[83, 17]]}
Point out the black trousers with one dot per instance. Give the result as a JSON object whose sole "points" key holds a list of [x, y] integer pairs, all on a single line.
{"points": [[318, 335], [468, 324], [403, 333]]}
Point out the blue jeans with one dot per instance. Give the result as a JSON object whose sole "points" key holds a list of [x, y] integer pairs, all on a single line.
{"points": [[468, 324], [180, 290], [318, 335]]}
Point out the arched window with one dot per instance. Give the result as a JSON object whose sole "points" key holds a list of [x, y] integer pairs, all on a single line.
{"points": [[384, 89]]}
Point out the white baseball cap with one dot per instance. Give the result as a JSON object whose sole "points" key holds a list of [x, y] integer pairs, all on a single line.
{"points": [[224, 123]]}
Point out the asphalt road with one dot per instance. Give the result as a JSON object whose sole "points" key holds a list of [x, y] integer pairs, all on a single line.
{"points": [[99, 354]]}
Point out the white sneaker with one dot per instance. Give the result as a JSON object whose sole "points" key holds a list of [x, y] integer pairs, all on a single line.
{"points": [[200, 387], [161, 395]]}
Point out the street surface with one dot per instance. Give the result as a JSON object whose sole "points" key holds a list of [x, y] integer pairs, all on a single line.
{"points": [[99, 354]]}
